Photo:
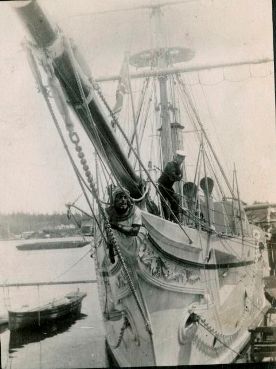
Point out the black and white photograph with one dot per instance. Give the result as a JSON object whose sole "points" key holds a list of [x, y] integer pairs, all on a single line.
{"points": [[137, 184]]}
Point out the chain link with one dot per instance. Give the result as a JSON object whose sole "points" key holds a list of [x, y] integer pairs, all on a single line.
{"points": [[76, 140], [114, 243], [109, 231], [97, 88], [122, 331]]}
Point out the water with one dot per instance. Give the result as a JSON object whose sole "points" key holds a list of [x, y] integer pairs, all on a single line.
{"points": [[68, 343]]}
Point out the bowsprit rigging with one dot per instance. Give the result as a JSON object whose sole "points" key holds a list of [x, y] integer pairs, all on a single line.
{"points": [[195, 277]]}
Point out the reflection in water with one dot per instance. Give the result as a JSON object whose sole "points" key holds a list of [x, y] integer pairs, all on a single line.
{"points": [[23, 337], [4, 327], [64, 344]]}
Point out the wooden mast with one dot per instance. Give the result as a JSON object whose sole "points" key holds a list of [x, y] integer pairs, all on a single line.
{"points": [[162, 57], [165, 128]]}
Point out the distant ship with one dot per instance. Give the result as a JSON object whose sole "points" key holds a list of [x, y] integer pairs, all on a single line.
{"points": [[53, 244]]}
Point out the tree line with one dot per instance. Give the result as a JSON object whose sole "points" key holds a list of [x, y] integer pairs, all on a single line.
{"points": [[16, 223]]}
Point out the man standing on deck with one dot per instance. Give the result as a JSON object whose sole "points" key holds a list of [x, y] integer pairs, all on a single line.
{"points": [[171, 174]]}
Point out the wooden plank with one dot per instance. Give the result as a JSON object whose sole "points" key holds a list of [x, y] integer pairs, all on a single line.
{"points": [[267, 351], [263, 329], [46, 283], [264, 344]]}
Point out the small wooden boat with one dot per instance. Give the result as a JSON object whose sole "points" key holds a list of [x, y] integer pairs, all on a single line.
{"points": [[37, 316]]}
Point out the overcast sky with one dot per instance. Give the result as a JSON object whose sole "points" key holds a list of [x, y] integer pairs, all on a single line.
{"points": [[35, 174]]}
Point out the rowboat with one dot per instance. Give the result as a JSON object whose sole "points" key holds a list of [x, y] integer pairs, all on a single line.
{"points": [[34, 317]]}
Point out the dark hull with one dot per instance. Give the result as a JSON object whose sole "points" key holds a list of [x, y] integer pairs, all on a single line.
{"points": [[52, 245], [42, 315]]}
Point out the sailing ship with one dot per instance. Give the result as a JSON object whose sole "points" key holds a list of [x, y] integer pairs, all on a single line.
{"points": [[193, 286]]}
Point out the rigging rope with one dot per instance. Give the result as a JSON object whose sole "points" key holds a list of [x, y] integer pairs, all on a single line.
{"points": [[225, 79], [114, 240], [69, 125], [109, 231], [97, 88], [72, 266], [204, 132], [140, 106], [212, 169]]}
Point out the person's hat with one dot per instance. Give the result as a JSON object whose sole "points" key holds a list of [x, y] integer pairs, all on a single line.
{"points": [[180, 153], [117, 190]]}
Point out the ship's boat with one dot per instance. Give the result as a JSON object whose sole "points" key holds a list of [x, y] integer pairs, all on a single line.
{"points": [[56, 309], [184, 290]]}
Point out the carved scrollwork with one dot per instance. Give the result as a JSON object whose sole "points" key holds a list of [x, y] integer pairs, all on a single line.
{"points": [[121, 280], [166, 270]]}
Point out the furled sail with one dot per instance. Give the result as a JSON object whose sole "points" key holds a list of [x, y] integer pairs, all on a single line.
{"points": [[79, 93]]}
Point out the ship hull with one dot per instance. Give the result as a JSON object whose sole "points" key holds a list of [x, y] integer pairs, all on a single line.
{"points": [[188, 309]]}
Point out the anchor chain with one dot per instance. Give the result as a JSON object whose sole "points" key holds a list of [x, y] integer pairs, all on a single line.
{"points": [[94, 192], [121, 335], [76, 140], [126, 272], [99, 92]]}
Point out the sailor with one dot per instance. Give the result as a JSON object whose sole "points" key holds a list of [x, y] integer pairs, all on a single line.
{"points": [[171, 174]]}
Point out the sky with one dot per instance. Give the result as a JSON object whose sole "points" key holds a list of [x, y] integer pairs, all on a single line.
{"points": [[35, 174]]}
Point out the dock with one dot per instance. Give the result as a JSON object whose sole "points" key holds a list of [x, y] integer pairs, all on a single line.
{"points": [[263, 339], [262, 344]]}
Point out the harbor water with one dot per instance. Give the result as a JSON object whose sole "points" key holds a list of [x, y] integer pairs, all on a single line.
{"points": [[68, 343]]}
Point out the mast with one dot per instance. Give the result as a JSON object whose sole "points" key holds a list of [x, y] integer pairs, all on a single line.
{"points": [[160, 57], [168, 133], [165, 129]]}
